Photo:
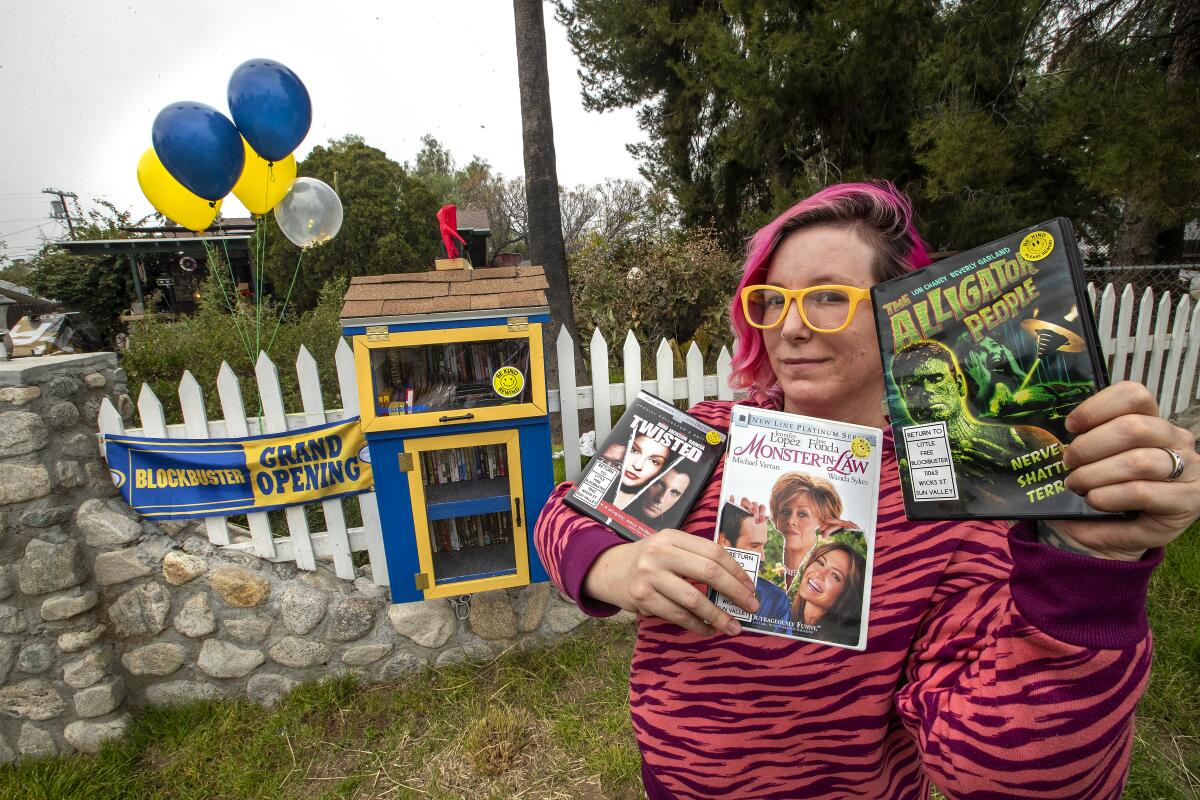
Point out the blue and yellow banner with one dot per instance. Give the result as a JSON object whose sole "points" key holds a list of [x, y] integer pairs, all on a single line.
{"points": [[190, 478]]}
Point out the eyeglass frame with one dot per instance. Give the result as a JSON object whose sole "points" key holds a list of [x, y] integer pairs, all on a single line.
{"points": [[854, 293]]}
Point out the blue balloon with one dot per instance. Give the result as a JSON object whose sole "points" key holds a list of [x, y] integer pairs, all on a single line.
{"points": [[270, 107], [200, 147]]}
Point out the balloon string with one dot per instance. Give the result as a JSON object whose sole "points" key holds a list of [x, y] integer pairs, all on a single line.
{"points": [[283, 311], [225, 294], [238, 323]]}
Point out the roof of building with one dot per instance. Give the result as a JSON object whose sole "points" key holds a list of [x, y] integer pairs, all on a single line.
{"points": [[442, 292], [473, 219]]}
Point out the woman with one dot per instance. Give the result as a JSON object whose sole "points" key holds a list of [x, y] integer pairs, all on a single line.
{"points": [[829, 597], [645, 458], [802, 506], [1001, 663]]}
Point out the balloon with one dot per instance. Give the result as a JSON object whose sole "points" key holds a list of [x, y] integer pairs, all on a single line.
{"points": [[270, 106], [200, 147], [310, 214], [170, 198], [264, 184]]}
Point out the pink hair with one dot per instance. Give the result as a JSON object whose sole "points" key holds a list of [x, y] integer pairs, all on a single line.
{"points": [[877, 211]]}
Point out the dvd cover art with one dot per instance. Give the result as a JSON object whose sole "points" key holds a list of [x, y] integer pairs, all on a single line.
{"points": [[985, 353], [799, 502], [649, 471]]}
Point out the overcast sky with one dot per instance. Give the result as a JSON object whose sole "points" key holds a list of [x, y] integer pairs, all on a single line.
{"points": [[81, 83]]}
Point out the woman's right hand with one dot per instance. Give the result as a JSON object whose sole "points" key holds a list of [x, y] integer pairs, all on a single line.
{"points": [[656, 577]]}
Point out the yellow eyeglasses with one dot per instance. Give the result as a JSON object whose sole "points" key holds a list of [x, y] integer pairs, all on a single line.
{"points": [[824, 309]]}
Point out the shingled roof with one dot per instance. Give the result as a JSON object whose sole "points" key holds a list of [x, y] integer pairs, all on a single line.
{"points": [[444, 292]]}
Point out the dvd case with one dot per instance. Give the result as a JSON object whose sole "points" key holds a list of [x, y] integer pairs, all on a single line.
{"points": [[984, 354], [649, 471], [799, 498]]}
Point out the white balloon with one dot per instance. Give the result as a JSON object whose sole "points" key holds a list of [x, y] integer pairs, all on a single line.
{"points": [[310, 213]]}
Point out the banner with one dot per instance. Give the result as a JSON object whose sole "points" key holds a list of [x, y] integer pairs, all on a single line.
{"points": [[191, 478]]}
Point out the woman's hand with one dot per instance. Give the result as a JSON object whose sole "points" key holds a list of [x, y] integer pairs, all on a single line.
{"points": [[1119, 461], [655, 577]]}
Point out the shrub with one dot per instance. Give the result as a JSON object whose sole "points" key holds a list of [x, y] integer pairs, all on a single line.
{"points": [[675, 287], [160, 350]]}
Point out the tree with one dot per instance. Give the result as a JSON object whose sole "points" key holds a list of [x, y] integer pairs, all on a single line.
{"points": [[389, 222], [541, 172], [99, 287], [750, 104], [992, 116]]}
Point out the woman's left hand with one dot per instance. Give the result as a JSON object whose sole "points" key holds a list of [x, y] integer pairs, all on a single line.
{"points": [[1120, 460]]}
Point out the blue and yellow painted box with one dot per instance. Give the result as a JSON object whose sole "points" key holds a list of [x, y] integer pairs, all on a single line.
{"points": [[452, 395]]}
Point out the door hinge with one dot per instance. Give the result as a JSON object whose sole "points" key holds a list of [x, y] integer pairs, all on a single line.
{"points": [[377, 333], [406, 462], [422, 580], [518, 323]]}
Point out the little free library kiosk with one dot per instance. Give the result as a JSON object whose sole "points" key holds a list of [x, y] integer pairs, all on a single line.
{"points": [[452, 396]]}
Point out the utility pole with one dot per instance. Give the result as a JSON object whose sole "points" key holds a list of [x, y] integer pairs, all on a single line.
{"points": [[66, 211]]}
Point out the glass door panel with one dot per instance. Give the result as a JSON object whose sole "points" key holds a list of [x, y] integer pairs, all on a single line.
{"points": [[418, 378], [467, 505]]}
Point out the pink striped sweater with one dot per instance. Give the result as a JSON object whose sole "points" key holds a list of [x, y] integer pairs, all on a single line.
{"points": [[996, 667]]}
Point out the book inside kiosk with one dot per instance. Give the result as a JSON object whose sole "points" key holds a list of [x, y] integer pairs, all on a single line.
{"points": [[452, 395]]}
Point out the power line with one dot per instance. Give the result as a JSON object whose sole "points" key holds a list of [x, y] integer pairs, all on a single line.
{"points": [[23, 230]]}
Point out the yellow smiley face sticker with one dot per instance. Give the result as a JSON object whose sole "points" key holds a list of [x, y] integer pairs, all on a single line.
{"points": [[508, 382], [860, 447], [1037, 246], [712, 437]]}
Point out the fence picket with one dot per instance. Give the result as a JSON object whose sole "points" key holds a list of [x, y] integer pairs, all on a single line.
{"points": [[632, 358], [1159, 346], [109, 419], [1124, 339], [195, 420], [569, 401], [601, 401], [724, 370], [1091, 293], [1104, 322], [695, 375], [1142, 340], [368, 504], [1184, 399], [664, 366], [150, 411], [314, 410], [275, 421], [1166, 399], [230, 391]]}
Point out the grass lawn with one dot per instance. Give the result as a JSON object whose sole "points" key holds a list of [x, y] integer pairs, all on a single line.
{"points": [[542, 724]]}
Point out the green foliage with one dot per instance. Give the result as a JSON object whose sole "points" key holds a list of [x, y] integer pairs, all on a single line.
{"points": [[675, 287], [389, 222], [992, 116], [160, 350]]}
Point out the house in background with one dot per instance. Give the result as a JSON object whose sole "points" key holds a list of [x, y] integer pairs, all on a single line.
{"points": [[169, 263]]}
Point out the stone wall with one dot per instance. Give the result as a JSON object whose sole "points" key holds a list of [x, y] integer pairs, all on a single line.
{"points": [[102, 612]]}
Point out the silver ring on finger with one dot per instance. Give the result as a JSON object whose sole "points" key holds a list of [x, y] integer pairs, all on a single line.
{"points": [[1176, 464]]}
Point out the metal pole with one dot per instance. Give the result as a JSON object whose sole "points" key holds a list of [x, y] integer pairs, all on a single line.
{"points": [[137, 282]]}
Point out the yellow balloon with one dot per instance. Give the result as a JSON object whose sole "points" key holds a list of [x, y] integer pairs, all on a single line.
{"points": [[170, 197], [263, 184]]}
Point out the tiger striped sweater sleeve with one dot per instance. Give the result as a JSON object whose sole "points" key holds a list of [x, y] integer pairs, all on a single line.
{"points": [[1024, 674], [568, 544]]}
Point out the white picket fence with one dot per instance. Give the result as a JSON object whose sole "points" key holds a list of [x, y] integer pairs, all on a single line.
{"points": [[302, 546], [1158, 345]]}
